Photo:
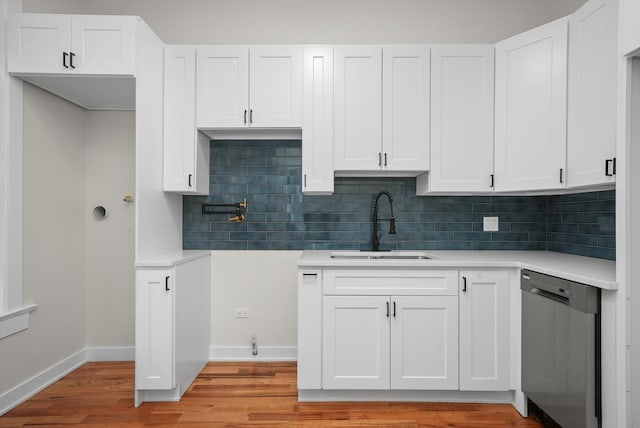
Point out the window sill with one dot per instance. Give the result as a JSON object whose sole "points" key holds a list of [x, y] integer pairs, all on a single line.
{"points": [[15, 321]]}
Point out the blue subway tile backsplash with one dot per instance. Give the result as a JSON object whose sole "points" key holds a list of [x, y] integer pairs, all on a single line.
{"points": [[280, 217]]}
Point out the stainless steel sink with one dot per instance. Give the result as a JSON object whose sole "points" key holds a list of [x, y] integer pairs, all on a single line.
{"points": [[380, 255]]}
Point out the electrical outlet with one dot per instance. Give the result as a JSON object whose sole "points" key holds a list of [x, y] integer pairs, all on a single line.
{"points": [[490, 224], [242, 313]]}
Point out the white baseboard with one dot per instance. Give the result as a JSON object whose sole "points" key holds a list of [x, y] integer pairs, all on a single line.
{"points": [[243, 353], [37, 383], [111, 353]]}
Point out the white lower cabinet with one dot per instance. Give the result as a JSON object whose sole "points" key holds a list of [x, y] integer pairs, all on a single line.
{"points": [[171, 325], [397, 342], [404, 329], [484, 331], [424, 342], [355, 339], [155, 301]]}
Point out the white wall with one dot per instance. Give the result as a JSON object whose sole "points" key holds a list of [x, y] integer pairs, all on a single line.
{"points": [[326, 21], [54, 245], [110, 175], [263, 282]]}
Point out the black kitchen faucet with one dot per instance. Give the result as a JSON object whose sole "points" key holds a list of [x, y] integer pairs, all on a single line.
{"points": [[375, 237]]}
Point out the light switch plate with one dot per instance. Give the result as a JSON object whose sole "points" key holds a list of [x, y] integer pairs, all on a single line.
{"points": [[490, 224]]}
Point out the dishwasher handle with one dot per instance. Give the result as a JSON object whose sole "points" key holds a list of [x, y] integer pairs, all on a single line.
{"points": [[549, 295]]}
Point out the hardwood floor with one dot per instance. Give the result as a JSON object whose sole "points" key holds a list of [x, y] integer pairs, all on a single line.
{"points": [[234, 395]]}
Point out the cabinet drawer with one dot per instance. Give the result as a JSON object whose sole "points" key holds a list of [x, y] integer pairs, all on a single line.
{"points": [[385, 281]]}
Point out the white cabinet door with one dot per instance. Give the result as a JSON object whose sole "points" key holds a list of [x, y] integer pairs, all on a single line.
{"points": [[317, 132], [484, 331], [154, 329], [405, 109], [355, 342], [78, 44], [424, 342], [241, 87], [593, 62], [310, 329], [461, 118], [36, 43], [275, 86], [358, 108], [186, 152], [531, 109], [222, 82], [103, 44]]}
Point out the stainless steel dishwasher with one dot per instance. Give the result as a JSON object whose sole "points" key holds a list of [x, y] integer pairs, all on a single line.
{"points": [[561, 349]]}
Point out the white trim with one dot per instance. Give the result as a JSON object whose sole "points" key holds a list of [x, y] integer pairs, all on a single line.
{"points": [[14, 321], [37, 383], [11, 169], [243, 353], [506, 397], [110, 353]]}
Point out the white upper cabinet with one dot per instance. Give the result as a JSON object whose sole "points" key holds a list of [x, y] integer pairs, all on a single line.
{"points": [[275, 86], [222, 79], [78, 44], [405, 108], [593, 38], [531, 109], [461, 120], [249, 87], [357, 108], [381, 109], [317, 130], [186, 151]]}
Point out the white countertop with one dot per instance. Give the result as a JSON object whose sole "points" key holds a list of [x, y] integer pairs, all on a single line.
{"points": [[172, 259], [587, 270]]}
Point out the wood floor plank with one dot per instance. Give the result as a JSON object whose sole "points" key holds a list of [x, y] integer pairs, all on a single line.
{"points": [[235, 395]]}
